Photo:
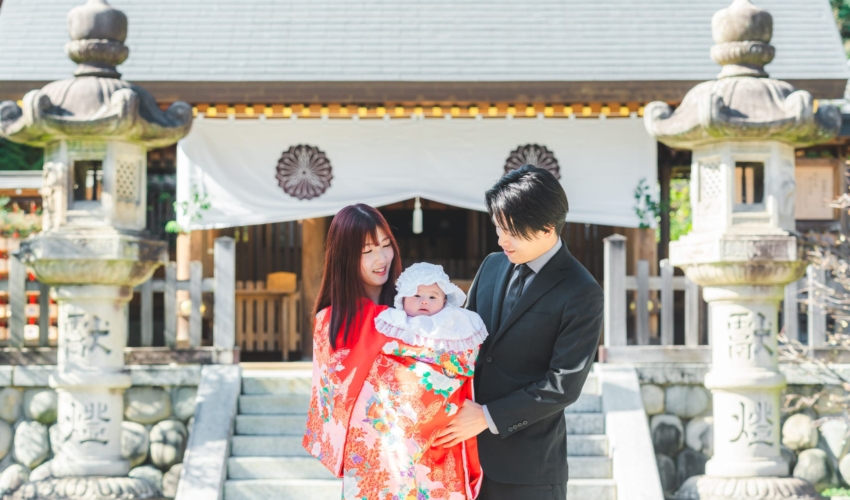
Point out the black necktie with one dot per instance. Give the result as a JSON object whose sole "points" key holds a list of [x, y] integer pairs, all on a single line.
{"points": [[515, 290]]}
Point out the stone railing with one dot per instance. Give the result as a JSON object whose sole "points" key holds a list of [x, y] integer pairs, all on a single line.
{"points": [[652, 337], [33, 343]]}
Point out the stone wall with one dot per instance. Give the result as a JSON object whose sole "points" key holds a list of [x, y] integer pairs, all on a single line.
{"points": [[814, 439], [158, 416]]}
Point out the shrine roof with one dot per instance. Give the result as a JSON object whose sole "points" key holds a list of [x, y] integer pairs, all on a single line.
{"points": [[300, 50]]}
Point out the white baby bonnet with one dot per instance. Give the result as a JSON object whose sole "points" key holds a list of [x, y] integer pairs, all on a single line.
{"points": [[453, 328], [423, 273]]}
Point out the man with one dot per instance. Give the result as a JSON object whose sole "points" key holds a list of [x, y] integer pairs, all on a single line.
{"points": [[543, 312]]}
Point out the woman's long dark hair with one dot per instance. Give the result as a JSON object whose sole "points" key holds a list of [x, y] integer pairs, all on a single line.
{"points": [[342, 285]]}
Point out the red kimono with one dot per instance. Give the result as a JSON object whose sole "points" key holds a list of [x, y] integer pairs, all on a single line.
{"points": [[376, 408]]}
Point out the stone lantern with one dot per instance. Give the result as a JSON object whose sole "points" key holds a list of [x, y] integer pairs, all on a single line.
{"points": [[743, 128], [95, 130]]}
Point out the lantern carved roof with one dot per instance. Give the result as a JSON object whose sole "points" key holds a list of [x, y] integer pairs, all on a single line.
{"points": [[96, 103], [743, 103]]}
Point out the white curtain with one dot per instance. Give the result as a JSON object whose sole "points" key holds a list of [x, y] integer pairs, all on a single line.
{"points": [[231, 164]]}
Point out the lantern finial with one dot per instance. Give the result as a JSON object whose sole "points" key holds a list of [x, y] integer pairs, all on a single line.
{"points": [[97, 34]]}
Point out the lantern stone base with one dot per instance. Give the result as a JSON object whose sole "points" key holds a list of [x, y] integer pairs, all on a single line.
{"points": [[87, 488], [746, 488]]}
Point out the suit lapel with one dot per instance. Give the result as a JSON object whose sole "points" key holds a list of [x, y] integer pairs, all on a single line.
{"points": [[503, 276], [551, 274]]}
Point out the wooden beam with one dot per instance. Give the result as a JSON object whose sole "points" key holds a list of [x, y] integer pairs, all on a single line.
{"points": [[655, 354], [132, 356], [28, 356], [166, 356], [312, 257]]}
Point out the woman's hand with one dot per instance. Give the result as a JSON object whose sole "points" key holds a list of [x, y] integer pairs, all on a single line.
{"points": [[468, 423]]}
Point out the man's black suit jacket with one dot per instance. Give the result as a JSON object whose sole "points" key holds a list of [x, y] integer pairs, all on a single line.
{"points": [[534, 365]]}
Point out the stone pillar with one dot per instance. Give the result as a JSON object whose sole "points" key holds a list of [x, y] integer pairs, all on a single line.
{"points": [[745, 381], [91, 379], [743, 128]]}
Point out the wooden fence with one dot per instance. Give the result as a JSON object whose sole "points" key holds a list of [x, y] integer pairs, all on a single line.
{"points": [[267, 320], [624, 293], [222, 286]]}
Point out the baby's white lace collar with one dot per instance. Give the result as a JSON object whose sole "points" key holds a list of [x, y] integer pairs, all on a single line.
{"points": [[452, 328]]}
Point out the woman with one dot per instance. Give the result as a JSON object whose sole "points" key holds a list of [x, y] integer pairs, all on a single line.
{"points": [[368, 445]]}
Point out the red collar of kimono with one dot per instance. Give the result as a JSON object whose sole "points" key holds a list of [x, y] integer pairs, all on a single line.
{"points": [[368, 342]]}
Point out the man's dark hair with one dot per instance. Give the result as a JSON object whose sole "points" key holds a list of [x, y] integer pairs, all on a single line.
{"points": [[528, 200]]}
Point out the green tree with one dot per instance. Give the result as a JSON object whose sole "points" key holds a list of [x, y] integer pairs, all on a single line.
{"points": [[841, 9], [14, 156], [680, 208]]}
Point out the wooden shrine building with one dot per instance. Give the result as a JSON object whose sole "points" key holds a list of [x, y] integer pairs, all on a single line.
{"points": [[303, 107]]}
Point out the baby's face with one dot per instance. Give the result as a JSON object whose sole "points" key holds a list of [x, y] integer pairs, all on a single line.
{"points": [[429, 300]]}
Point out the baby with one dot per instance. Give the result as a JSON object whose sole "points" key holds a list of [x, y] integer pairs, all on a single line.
{"points": [[428, 313], [415, 387]]}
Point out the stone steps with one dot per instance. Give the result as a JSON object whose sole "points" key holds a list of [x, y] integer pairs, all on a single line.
{"points": [[585, 423], [276, 468], [293, 425], [273, 404], [283, 489], [285, 382], [283, 404], [310, 468], [271, 425], [586, 403], [268, 463], [329, 489], [593, 445], [290, 446], [267, 446], [297, 382], [591, 385]]}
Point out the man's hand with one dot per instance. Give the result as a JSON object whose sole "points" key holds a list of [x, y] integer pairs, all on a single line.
{"points": [[468, 423]]}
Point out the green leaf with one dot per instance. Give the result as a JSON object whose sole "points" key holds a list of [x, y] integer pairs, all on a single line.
{"points": [[173, 227], [14, 156]]}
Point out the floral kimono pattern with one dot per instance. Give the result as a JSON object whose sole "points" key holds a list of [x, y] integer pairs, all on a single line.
{"points": [[377, 407]]}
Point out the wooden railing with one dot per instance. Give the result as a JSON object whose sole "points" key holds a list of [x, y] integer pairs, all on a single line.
{"points": [[624, 293], [222, 286], [267, 320]]}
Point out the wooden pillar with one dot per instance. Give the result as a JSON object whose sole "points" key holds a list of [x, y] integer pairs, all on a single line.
{"points": [[224, 326], [313, 233], [641, 246], [615, 291], [184, 257], [843, 186], [664, 173]]}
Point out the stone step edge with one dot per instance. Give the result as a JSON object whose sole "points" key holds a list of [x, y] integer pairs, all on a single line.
{"points": [[244, 440], [256, 468]]}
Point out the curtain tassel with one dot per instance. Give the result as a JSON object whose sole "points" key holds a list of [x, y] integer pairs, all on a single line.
{"points": [[417, 217]]}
